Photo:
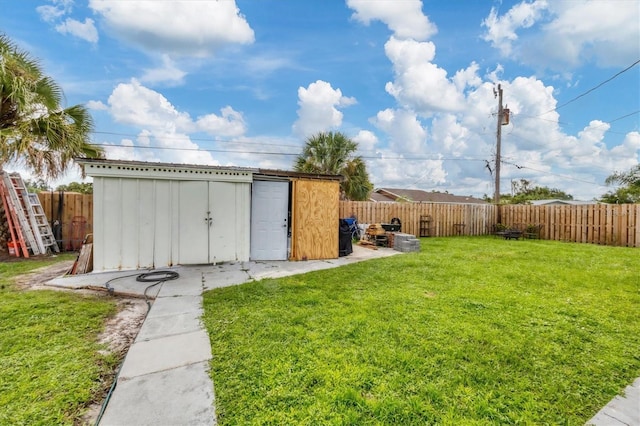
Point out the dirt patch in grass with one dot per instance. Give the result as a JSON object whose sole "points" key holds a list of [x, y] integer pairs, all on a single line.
{"points": [[35, 279], [120, 330], [119, 333]]}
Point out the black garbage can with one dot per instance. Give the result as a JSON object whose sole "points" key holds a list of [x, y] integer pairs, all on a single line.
{"points": [[344, 239]]}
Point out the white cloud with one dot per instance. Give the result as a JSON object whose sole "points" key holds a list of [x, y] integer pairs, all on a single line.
{"points": [[125, 151], [229, 123], [404, 18], [462, 142], [167, 73], [134, 104], [607, 33], [467, 77], [318, 111], [85, 30], [192, 28], [567, 34], [419, 83], [628, 153], [450, 135], [55, 12], [268, 63], [405, 131], [366, 140], [164, 126], [97, 105], [501, 31], [51, 13]]}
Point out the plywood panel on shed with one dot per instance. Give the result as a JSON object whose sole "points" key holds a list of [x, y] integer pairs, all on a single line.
{"points": [[315, 219]]}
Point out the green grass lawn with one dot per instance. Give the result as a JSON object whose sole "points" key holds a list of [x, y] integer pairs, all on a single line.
{"points": [[474, 330], [49, 365]]}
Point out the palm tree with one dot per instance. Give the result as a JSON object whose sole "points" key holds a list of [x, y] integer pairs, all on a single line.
{"points": [[333, 153], [34, 127], [630, 178]]}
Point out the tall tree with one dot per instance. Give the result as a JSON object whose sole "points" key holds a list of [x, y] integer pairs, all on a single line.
{"points": [[630, 177], [334, 154], [629, 192], [81, 187], [523, 191], [35, 129]]}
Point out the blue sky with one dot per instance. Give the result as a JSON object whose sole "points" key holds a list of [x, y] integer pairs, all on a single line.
{"points": [[245, 82]]}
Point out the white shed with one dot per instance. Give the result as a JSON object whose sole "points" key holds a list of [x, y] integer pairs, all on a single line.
{"points": [[153, 215]]}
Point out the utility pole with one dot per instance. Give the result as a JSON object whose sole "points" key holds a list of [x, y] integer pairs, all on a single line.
{"points": [[496, 197], [503, 119]]}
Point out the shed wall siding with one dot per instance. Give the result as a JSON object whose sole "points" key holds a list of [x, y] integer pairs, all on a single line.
{"points": [[138, 222]]}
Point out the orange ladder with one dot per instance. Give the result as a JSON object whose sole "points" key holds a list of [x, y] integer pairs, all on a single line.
{"points": [[17, 196], [10, 212]]}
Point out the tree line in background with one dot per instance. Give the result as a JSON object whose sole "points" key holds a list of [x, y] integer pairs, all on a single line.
{"points": [[524, 191], [41, 185]]}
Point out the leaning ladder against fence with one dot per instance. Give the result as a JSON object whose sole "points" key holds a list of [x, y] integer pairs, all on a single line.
{"points": [[15, 231], [21, 221], [29, 215], [46, 234]]}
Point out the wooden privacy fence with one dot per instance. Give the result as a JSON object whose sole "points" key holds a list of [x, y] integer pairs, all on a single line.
{"points": [[607, 224], [70, 215], [425, 219]]}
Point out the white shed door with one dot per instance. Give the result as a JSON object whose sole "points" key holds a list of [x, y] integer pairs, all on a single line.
{"points": [[269, 227], [194, 224], [223, 241], [210, 218]]}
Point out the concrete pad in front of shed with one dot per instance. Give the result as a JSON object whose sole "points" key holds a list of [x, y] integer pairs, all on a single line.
{"points": [[168, 306], [186, 285], [157, 327], [120, 282], [285, 269], [361, 253], [152, 356], [217, 278], [182, 396]]}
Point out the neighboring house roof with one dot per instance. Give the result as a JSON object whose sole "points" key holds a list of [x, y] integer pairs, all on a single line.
{"points": [[560, 202], [380, 198], [419, 196]]}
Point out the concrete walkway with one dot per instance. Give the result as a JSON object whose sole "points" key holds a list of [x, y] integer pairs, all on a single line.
{"points": [[164, 379], [623, 410]]}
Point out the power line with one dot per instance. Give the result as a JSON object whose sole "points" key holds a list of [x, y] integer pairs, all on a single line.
{"points": [[554, 174], [593, 88], [422, 158], [624, 116], [511, 134], [196, 139]]}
